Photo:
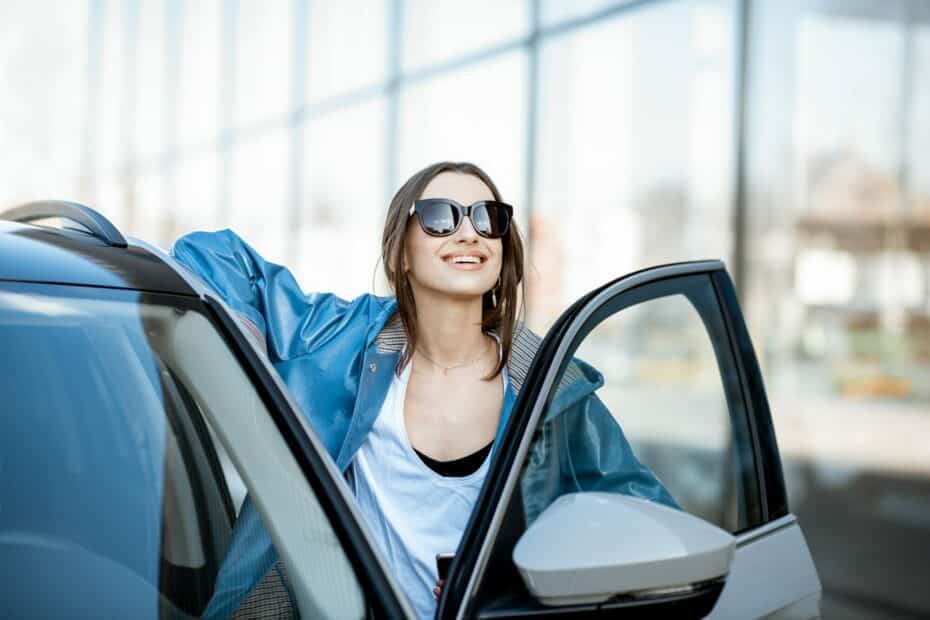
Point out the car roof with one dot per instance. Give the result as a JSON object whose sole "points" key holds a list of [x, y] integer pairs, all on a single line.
{"points": [[31, 253]]}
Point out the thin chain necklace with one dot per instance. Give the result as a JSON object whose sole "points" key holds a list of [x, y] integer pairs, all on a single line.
{"points": [[446, 369]]}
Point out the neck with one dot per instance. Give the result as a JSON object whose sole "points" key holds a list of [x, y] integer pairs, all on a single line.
{"points": [[449, 329]]}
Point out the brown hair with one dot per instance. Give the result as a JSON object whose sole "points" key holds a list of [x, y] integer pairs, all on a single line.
{"points": [[500, 318]]}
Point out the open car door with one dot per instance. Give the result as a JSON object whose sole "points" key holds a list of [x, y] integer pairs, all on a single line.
{"points": [[570, 520]]}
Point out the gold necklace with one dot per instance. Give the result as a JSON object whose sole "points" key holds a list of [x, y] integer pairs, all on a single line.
{"points": [[446, 369]]}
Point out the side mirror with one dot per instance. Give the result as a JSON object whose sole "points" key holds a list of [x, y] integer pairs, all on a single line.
{"points": [[597, 547]]}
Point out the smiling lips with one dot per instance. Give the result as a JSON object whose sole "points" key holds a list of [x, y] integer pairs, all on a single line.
{"points": [[467, 262]]}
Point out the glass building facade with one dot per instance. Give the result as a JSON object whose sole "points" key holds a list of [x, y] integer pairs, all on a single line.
{"points": [[787, 137]]}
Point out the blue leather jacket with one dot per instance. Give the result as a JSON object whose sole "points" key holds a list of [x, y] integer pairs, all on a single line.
{"points": [[336, 358]]}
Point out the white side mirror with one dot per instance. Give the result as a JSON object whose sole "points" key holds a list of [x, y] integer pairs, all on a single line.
{"points": [[590, 547]]}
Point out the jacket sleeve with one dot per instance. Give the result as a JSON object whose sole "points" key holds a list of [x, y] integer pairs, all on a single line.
{"points": [[266, 294]]}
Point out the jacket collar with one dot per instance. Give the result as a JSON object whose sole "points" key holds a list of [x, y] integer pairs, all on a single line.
{"points": [[391, 338]]}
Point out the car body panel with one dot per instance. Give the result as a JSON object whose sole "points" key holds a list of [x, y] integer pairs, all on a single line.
{"points": [[771, 566], [31, 253]]}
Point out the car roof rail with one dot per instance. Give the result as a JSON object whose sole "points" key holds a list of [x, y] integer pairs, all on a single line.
{"points": [[94, 222]]}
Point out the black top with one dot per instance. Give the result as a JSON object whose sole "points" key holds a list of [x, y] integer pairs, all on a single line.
{"points": [[457, 468]]}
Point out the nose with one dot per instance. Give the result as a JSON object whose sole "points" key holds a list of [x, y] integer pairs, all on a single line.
{"points": [[466, 231]]}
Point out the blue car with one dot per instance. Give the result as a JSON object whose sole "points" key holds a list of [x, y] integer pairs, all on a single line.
{"points": [[138, 412]]}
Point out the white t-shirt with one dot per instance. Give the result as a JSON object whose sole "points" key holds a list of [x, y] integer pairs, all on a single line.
{"points": [[412, 511]]}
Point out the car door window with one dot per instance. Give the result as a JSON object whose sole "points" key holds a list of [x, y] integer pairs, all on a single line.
{"points": [[669, 381], [121, 411], [645, 399]]}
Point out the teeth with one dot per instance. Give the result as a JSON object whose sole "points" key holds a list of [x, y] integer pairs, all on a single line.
{"points": [[465, 259]]}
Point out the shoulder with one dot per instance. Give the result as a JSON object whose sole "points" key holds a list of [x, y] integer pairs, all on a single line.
{"points": [[203, 241]]}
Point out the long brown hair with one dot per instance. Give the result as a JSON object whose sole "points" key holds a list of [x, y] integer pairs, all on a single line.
{"points": [[502, 318]]}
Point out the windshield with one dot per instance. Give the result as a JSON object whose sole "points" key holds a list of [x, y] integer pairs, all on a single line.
{"points": [[115, 498]]}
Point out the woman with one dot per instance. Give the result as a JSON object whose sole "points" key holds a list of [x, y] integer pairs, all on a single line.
{"points": [[409, 392]]}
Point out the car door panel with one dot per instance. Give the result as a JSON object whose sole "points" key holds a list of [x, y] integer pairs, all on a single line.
{"points": [[772, 565]]}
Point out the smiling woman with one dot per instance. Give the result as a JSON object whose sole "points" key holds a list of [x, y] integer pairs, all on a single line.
{"points": [[409, 393]]}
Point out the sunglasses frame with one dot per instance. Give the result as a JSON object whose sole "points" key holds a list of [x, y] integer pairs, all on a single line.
{"points": [[463, 212]]}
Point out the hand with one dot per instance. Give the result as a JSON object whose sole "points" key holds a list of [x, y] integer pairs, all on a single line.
{"points": [[438, 589]]}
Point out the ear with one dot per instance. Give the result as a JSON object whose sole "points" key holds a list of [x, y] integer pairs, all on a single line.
{"points": [[405, 261]]}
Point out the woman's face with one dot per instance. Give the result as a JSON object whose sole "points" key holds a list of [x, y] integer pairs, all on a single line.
{"points": [[428, 259]]}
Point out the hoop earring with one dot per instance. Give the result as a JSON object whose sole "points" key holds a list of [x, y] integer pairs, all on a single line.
{"points": [[493, 294]]}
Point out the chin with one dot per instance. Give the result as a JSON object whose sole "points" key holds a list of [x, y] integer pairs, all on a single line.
{"points": [[460, 293]]}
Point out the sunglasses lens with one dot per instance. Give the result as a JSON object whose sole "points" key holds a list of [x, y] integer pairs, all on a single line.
{"points": [[438, 218], [491, 219], [481, 220]]}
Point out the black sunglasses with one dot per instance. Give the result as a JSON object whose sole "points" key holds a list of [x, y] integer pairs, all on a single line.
{"points": [[440, 217]]}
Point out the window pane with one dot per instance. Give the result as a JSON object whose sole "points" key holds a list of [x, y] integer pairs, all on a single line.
{"points": [[113, 482], [348, 46], [150, 83], [919, 136], [439, 30], [344, 201], [112, 197], [671, 385], [635, 118], [829, 131], [476, 114], [259, 192], [199, 81], [43, 58], [149, 209], [111, 148], [554, 11], [196, 178], [838, 287], [264, 61]]}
